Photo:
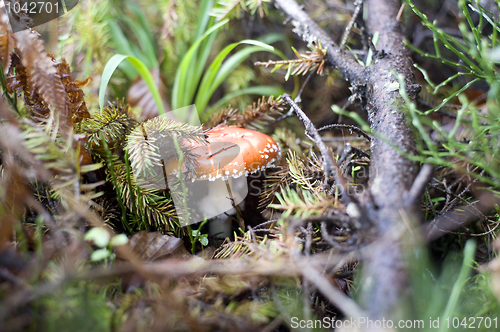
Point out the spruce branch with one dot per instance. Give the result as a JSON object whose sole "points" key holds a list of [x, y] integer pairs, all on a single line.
{"points": [[301, 203], [308, 62], [391, 174], [146, 205], [152, 140], [253, 117], [114, 123]]}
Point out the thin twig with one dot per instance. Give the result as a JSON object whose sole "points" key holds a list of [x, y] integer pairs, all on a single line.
{"points": [[331, 241], [400, 12], [357, 10], [345, 126], [447, 222], [418, 186], [298, 99], [335, 296], [331, 167]]}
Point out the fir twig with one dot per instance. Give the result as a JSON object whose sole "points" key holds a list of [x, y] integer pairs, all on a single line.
{"points": [[313, 59]]}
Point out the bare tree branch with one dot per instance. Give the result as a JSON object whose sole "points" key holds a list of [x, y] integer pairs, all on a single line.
{"points": [[392, 176], [342, 60], [331, 167]]}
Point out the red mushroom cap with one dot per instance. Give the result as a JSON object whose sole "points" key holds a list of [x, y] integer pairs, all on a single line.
{"points": [[234, 152]]}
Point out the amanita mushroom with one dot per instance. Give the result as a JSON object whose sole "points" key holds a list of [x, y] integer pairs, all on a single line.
{"points": [[232, 154]]}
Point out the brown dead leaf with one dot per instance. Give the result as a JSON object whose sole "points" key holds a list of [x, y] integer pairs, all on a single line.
{"points": [[154, 246], [141, 97]]}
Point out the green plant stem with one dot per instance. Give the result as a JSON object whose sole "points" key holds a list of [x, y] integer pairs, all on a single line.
{"points": [[111, 169], [184, 192], [469, 251]]}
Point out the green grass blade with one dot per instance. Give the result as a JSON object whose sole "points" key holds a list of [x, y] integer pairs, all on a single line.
{"points": [[123, 46], [201, 57], [469, 251], [214, 76], [110, 68], [141, 18], [149, 55], [182, 73], [204, 17]]}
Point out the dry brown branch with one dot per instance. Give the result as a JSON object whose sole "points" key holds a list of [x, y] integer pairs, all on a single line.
{"points": [[391, 174], [336, 297]]}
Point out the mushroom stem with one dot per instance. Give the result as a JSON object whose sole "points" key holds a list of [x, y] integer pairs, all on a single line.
{"points": [[241, 222]]}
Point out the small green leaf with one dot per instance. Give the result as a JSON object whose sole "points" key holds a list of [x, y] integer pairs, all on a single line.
{"points": [[100, 254], [118, 240], [99, 236], [204, 240]]}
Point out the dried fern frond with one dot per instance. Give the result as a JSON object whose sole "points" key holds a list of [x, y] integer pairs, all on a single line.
{"points": [[254, 117], [153, 140], [76, 104], [313, 59], [43, 81], [18, 82], [42, 73], [7, 42]]}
